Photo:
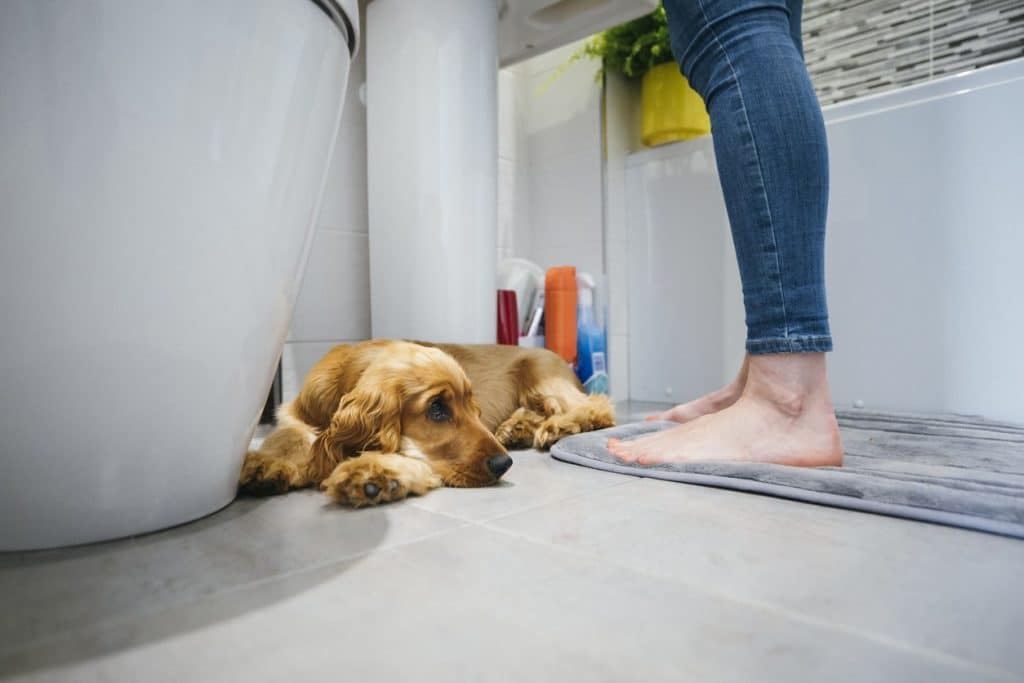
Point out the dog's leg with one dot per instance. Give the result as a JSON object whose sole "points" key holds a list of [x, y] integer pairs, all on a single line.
{"points": [[280, 463], [568, 410], [518, 430], [374, 477]]}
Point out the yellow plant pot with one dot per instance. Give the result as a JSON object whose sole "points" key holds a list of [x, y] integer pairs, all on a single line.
{"points": [[670, 109]]}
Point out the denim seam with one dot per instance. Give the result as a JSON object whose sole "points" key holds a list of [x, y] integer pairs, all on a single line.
{"points": [[757, 158], [727, 15]]}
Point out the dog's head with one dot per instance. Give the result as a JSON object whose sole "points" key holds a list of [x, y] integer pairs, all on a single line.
{"points": [[417, 401]]}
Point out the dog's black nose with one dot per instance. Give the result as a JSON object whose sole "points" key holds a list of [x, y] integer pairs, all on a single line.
{"points": [[499, 464]]}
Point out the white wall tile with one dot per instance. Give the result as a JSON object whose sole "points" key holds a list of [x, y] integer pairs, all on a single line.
{"points": [[619, 131], [566, 198], [618, 366], [677, 225], [345, 200], [333, 302], [734, 334], [562, 134], [585, 256], [618, 287], [921, 256], [563, 114], [297, 360], [507, 205], [547, 61], [508, 114], [522, 228]]}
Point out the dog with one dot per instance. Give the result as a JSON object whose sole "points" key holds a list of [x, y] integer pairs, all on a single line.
{"points": [[381, 420]]}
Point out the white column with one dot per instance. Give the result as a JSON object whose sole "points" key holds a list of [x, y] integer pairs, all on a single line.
{"points": [[432, 70]]}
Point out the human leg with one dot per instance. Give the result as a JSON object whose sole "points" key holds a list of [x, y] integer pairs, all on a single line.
{"points": [[771, 149]]}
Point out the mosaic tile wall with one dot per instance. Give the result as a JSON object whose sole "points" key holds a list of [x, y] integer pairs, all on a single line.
{"points": [[860, 47]]}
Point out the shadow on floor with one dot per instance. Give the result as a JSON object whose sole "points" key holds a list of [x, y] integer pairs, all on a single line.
{"points": [[65, 606]]}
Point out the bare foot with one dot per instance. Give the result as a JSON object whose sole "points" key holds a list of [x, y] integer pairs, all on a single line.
{"points": [[708, 403], [784, 416]]}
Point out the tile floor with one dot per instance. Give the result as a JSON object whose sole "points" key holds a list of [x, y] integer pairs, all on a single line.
{"points": [[560, 574]]}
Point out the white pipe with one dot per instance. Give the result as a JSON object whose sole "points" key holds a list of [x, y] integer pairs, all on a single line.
{"points": [[432, 70]]}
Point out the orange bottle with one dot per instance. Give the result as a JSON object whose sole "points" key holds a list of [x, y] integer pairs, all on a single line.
{"points": [[560, 312]]}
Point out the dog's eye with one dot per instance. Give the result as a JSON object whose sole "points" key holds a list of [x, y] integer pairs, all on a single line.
{"points": [[437, 411]]}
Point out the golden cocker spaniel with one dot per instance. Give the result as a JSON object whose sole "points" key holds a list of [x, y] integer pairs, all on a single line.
{"points": [[379, 420]]}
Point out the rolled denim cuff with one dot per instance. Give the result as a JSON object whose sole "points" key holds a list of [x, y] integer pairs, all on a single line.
{"points": [[812, 344]]}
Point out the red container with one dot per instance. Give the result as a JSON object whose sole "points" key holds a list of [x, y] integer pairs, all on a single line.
{"points": [[508, 318]]}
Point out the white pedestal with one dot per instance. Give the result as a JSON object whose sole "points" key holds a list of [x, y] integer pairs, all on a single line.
{"points": [[432, 70]]}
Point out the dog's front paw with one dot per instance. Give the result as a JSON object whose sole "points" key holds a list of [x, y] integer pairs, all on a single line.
{"points": [[553, 429], [375, 478], [519, 429], [595, 412], [263, 476]]}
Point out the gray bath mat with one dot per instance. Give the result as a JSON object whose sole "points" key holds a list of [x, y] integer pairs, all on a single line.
{"points": [[953, 470]]}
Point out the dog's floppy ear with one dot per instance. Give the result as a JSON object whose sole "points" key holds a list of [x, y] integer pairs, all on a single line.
{"points": [[369, 416]]}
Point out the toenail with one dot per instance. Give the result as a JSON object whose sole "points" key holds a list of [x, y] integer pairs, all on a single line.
{"points": [[393, 486], [371, 490]]}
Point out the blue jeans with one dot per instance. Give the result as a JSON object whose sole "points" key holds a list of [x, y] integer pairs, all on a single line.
{"points": [[745, 59]]}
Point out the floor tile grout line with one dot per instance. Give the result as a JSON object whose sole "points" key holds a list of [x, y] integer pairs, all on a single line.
{"points": [[298, 571], [529, 508], [562, 499], [769, 608]]}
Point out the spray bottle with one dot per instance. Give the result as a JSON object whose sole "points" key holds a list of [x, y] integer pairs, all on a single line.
{"points": [[591, 346]]}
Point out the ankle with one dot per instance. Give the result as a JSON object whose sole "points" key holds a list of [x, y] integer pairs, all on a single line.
{"points": [[734, 389], [792, 383]]}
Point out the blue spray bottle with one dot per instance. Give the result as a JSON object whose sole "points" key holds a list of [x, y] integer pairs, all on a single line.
{"points": [[591, 347]]}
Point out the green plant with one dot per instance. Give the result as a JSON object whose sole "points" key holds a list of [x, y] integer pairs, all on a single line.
{"points": [[632, 48]]}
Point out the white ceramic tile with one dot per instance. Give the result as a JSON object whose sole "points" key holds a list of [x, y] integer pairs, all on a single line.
{"points": [[589, 258], [563, 112], [734, 326], [615, 200], [508, 109], [921, 252], [618, 122], [618, 366], [345, 199], [617, 258], [522, 228], [548, 256], [344, 202], [552, 59], [637, 411], [333, 302], [297, 359], [565, 199], [925, 587], [622, 109], [507, 204], [677, 226]]}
